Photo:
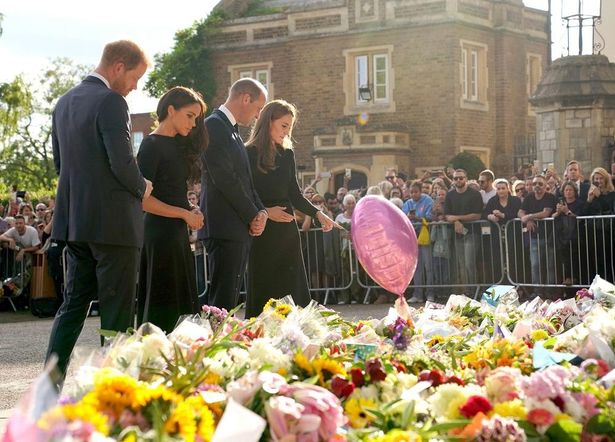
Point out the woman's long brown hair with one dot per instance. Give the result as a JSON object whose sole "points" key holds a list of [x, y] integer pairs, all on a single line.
{"points": [[261, 134]]}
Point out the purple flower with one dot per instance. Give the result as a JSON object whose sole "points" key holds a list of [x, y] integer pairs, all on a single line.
{"points": [[584, 293]]}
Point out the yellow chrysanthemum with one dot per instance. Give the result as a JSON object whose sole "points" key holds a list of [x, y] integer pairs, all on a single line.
{"points": [[539, 335], [326, 369], [514, 409], [399, 436], [303, 363], [356, 410], [131, 437], [82, 412], [148, 394], [562, 417]]}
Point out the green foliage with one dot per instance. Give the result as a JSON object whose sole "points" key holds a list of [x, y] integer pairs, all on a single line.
{"points": [[257, 7], [26, 157], [472, 164], [15, 103], [189, 62], [565, 430]]}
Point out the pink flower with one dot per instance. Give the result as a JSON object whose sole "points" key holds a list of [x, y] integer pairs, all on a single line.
{"points": [[503, 384], [320, 402], [588, 402], [548, 383], [283, 413], [540, 417], [474, 405]]}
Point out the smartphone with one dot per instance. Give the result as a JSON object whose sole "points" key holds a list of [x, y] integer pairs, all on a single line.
{"points": [[348, 173], [561, 201], [324, 174]]}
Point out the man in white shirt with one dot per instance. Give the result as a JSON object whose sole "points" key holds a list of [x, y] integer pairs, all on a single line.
{"points": [[485, 181], [21, 238]]}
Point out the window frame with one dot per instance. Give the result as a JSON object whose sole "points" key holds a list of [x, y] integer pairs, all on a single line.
{"points": [[354, 77]]}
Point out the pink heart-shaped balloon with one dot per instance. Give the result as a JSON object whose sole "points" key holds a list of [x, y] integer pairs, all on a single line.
{"points": [[385, 243]]}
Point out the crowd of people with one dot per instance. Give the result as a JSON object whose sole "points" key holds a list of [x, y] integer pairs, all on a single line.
{"points": [[196, 181]]}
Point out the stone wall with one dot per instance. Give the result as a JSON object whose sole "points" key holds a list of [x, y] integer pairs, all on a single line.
{"points": [[309, 69]]}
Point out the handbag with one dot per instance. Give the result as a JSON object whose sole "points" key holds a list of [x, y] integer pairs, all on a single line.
{"points": [[423, 238]]}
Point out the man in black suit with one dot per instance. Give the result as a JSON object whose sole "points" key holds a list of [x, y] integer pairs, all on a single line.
{"points": [[575, 174], [98, 206], [234, 212]]}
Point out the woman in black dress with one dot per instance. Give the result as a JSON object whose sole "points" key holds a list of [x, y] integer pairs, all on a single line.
{"points": [[276, 267], [170, 157]]}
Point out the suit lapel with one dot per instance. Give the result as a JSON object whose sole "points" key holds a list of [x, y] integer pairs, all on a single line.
{"points": [[238, 144]]}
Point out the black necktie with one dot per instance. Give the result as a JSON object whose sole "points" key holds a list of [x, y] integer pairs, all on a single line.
{"points": [[236, 126]]}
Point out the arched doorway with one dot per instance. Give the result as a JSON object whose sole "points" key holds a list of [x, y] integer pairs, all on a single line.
{"points": [[358, 180]]}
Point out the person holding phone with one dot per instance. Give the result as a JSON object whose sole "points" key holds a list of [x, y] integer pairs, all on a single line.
{"points": [[417, 208]]}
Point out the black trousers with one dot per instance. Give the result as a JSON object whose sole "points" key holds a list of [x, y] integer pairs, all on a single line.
{"points": [[102, 271], [227, 267]]}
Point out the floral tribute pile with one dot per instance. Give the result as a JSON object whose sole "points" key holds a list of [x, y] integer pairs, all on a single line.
{"points": [[494, 370]]}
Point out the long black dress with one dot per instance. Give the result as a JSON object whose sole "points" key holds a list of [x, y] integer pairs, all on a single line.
{"points": [[276, 267], [167, 281]]}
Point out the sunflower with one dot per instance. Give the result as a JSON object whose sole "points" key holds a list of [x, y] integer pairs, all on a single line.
{"points": [[182, 422], [86, 413], [282, 310], [147, 394], [303, 363], [113, 392], [326, 369], [356, 411]]}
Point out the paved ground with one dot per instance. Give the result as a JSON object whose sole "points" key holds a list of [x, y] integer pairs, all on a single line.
{"points": [[23, 342]]}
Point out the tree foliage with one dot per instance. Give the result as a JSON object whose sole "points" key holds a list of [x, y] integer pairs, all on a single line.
{"points": [[26, 157], [472, 164], [189, 62]]}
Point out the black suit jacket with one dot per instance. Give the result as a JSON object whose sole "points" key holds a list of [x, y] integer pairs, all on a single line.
{"points": [[228, 196], [100, 187]]}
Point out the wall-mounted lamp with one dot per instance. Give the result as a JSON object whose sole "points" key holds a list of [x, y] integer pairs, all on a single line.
{"points": [[365, 92]]}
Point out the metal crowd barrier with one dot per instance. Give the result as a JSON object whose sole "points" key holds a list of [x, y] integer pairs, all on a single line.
{"points": [[467, 261], [11, 272], [562, 252]]}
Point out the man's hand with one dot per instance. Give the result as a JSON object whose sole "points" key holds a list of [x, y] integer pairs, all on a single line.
{"points": [[148, 188], [459, 227], [11, 243], [257, 225], [194, 219], [19, 255], [531, 226]]}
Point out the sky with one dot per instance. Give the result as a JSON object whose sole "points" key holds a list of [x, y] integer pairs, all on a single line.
{"points": [[36, 31]]}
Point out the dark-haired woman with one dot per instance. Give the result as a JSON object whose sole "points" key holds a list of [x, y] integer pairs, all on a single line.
{"points": [[170, 158], [276, 266]]}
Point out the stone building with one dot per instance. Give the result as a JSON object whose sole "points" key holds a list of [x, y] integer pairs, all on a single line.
{"points": [[390, 83]]}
